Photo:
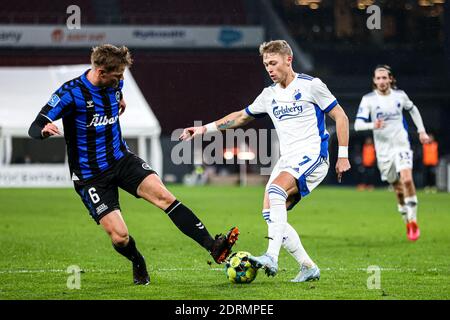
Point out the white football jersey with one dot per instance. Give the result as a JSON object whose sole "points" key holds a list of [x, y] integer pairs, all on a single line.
{"points": [[393, 138], [298, 114]]}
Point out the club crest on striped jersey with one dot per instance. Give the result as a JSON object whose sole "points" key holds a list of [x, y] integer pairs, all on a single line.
{"points": [[118, 96], [145, 166]]}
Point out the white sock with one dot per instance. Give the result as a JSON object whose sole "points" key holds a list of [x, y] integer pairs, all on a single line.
{"points": [[291, 242], [293, 245], [403, 211], [278, 220], [266, 215], [411, 204]]}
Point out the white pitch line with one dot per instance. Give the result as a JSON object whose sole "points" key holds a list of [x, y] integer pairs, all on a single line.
{"points": [[31, 271], [214, 269], [103, 270]]}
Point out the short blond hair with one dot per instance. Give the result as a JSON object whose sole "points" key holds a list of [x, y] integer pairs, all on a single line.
{"points": [[275, 46], [110, 57]]}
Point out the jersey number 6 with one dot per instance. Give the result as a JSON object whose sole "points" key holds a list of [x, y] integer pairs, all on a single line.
{"points": [[94, 197]]}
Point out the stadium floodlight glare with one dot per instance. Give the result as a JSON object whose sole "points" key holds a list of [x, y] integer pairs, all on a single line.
{"points": [[246, 155], [228, 155]]}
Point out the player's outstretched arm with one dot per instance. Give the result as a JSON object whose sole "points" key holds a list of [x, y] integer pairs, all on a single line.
{"points": [[342, 164], [361, 125], [231, 121]]}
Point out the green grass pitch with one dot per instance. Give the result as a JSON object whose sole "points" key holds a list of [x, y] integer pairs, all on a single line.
{"points": [[44, 231]]}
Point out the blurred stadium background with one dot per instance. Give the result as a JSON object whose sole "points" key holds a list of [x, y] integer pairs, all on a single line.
{"points": [[198, 60]]}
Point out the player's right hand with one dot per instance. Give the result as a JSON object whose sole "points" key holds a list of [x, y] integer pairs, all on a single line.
{"points": [[379, 124], [192, 132], [424, 138], [50, 130], [342, 165]]}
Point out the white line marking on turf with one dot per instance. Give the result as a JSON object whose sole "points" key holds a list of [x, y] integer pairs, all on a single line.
{"points": [[105, 270], [216, 269]]}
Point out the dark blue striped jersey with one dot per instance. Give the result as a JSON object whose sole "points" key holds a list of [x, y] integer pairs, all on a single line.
{"points": [[90, 116]]}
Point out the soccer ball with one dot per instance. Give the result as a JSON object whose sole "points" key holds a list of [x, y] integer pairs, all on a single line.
{"points": [[238, 269]]}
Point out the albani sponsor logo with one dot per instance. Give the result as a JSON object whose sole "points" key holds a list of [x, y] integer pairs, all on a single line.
{"points": [[286, 112], [389, 115], [98, 120]]}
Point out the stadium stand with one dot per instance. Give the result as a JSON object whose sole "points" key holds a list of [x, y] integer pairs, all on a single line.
{"points": [[140, 12], [177, 83], [187, 12], [43, 11]]}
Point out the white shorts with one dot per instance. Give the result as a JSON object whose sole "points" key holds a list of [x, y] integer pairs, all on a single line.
{"points": [[309, 171], [390, 169]]}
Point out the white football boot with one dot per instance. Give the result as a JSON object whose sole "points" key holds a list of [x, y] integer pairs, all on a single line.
{"points": [[266, 262], [307, 274]]}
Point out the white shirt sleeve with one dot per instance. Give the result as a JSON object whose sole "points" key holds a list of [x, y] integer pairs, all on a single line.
{"points": [[362, 121], [361, 125], [363, 110], [417, 119], [258, 108], [322, 96], [407, 103]]}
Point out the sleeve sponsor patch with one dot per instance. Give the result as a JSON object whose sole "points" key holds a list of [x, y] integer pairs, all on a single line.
{"points": [[54, 100]]}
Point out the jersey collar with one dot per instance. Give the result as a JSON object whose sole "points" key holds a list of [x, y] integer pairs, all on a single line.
{"points": [[90, 86], [290, 84]]}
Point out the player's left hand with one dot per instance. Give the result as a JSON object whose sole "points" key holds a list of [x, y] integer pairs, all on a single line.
{"points": [[122, 107], [342, 165], [424, 138]]}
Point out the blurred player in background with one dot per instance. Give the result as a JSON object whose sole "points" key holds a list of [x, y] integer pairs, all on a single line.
{"points": [[297, 104], [368, 160], [100, 161], [382, 111], [430, 160]]}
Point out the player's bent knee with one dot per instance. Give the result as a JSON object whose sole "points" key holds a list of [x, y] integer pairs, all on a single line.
{"points": [[120, 239], [407, 181], [153, 190], [162, 199]]}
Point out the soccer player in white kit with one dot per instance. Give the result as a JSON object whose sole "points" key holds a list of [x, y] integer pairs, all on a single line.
{"points": [[382, 111], [297, 104]]}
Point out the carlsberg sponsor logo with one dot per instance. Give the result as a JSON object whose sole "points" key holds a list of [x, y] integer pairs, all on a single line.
{"points": [[286, 111], [98, 120]]}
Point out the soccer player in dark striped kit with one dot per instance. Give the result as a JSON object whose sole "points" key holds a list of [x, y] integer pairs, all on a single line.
{"points": [[100, 161]]}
